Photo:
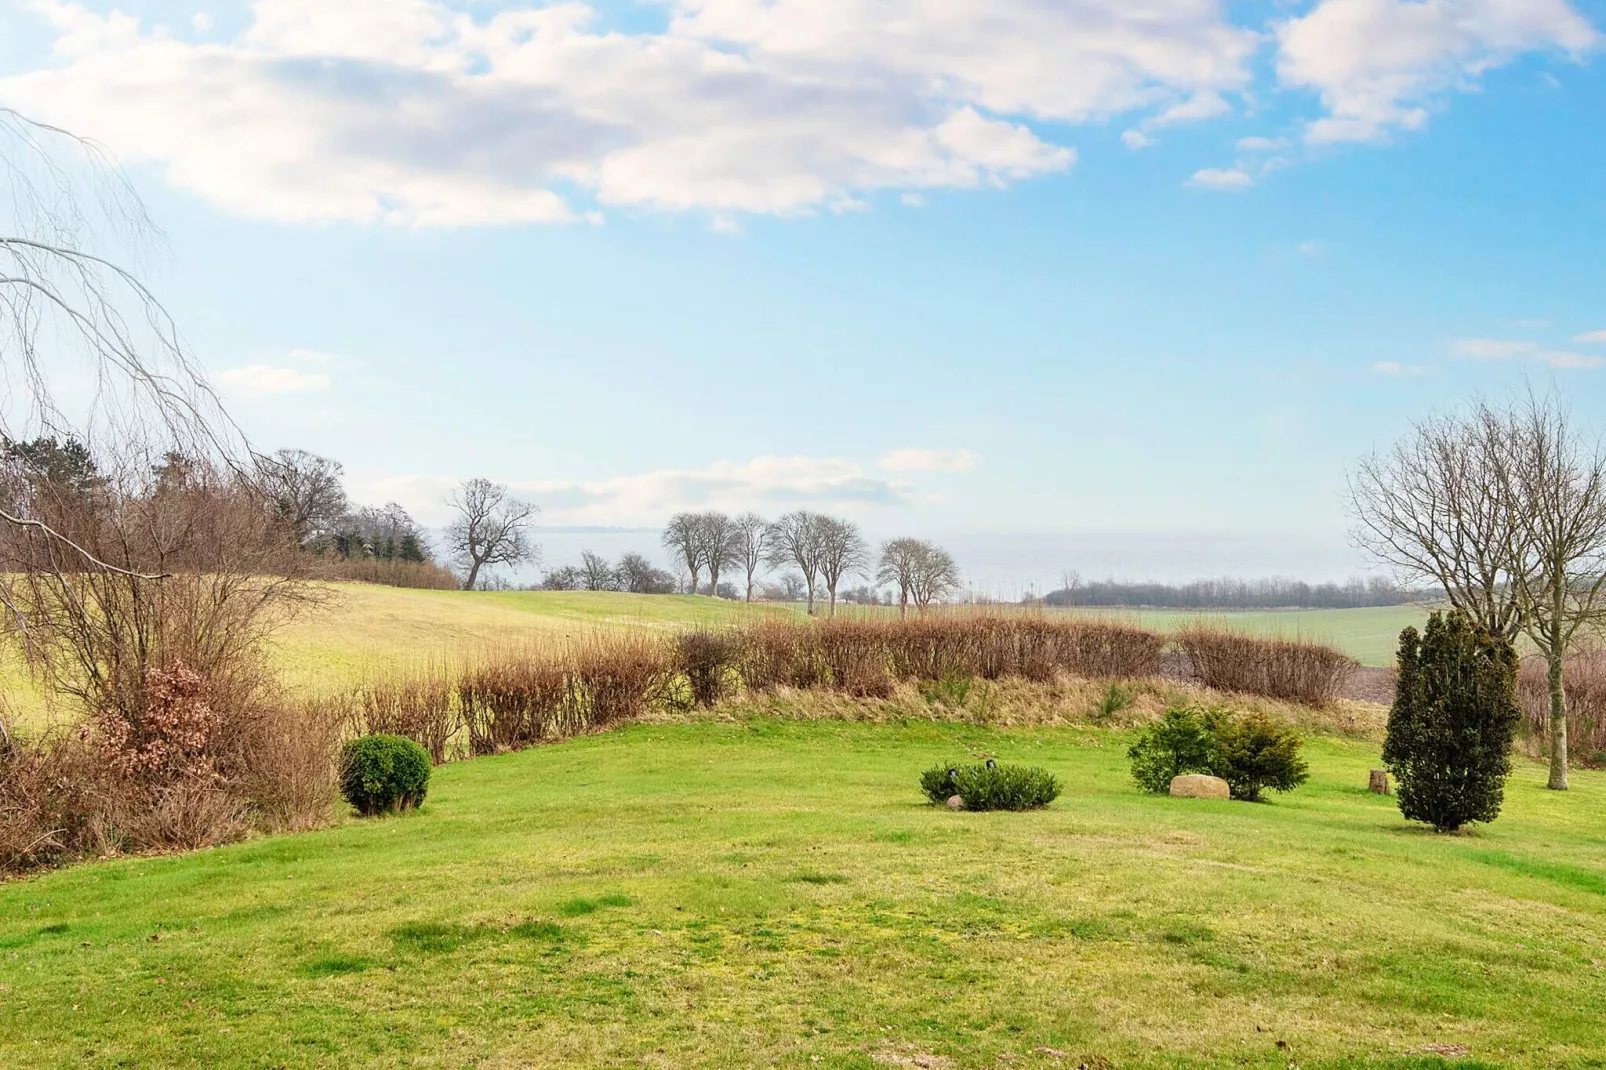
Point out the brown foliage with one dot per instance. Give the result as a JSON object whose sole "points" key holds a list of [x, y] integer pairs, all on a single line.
{"points": [[708, 661], [422, 574], [417, 705], [1584, 683], [510, 701], [1291, 669]]}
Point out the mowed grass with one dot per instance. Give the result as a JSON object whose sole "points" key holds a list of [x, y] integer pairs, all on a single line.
{"points": [[762, 892]]}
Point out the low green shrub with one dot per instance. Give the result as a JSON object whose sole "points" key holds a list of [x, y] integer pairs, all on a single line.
{"points": [[1115, 699], [991, 786], [1251, 752], [1254, 752], [950, 689], [382, 773], [1178, 743]]}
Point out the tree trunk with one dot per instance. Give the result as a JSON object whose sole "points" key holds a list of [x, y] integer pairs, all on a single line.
{"points": [[713, 583], [811, 599], [694, 580], [903, 602], [832, 589], [473, 574], [1558, 722]]}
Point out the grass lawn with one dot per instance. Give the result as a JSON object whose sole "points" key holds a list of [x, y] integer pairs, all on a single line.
{"points": [[770, 892]]}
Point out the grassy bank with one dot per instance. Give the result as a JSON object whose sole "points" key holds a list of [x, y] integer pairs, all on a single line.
{"points": [[760, 892]]}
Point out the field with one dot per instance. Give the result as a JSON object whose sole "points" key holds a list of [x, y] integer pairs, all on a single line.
{"points": [[752, 891], [358, 629]]}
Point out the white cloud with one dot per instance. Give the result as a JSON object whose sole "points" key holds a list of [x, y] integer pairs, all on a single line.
{"points": [[1397, 369], [913, 460], [1262, 144], [768, 485], [1493, 348], [256, 380], [1591, 338], [421, 112], [1561, 358], [202, 21], [1229, 179], [1309, 248], [1136, 139], [1379, 65]]}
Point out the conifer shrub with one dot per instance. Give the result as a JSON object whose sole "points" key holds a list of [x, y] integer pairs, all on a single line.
{"points": [[383, 773], [1178, 743], [1452, 724], [1253, 753], [991, 786]]}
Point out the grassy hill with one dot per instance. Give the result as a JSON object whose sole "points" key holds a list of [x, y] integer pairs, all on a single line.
{"points": [[357, 629], [763, 892]]}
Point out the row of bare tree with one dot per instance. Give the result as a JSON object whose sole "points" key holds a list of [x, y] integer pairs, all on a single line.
{"points": [[1503, 507], [822, 549]]}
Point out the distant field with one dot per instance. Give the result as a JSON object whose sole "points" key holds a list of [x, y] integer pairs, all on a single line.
{"points": [[359, 628]]}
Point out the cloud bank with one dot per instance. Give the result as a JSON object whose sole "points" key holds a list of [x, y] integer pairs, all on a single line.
{"points": [[452, 113]]}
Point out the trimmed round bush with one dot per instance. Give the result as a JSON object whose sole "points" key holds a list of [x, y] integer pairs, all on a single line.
{"points": [[991, 786], [383, 774]]}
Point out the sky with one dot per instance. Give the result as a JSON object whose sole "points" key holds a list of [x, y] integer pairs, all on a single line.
{"points": [[1120, 288]]}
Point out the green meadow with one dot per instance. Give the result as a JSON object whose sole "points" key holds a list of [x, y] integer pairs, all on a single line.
{"points": [[751, 891]]}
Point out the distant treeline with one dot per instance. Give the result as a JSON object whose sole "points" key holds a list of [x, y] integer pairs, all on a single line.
{"points": [[1275, 593]]}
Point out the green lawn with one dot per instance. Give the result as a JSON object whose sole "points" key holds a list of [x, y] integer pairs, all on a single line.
{"points": [[1370, 635], [775, 893]]}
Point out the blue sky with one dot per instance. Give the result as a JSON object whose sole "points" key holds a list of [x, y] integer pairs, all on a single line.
{"points": [[1120, 288]]}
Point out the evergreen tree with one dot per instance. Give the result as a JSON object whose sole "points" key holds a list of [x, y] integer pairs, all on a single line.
{"points": [[1453, 721]]}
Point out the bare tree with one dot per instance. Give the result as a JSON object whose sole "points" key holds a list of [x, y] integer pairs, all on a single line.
{"points": [[307, 491], [843, 552], [598, 574], [750, 542], [719, 546], [795, 539], [1555, 482], [1433, 508], [638, 576], [491, 529], [72, 311], [923, 572], [900, 562], [683, 535]]}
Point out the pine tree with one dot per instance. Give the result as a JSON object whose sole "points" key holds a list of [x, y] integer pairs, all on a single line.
{"points": [[1453, 721]]}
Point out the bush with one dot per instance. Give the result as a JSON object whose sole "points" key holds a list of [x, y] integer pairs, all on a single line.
{"points": [[991, 786], [708, 660], [381, 773], [1452, 724], [1253, 752], [1277, 668], [1178, 743]]}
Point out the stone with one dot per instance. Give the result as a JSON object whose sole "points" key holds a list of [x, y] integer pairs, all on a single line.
{"points": [[1380, 782], [956, 802], [1199, 786]]}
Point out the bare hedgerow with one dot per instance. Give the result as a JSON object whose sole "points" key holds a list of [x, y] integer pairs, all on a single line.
{"points": [[1293, 669]]}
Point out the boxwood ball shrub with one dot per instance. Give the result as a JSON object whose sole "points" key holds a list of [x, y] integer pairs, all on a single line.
{"points": [[382, 773], [991, 786]]}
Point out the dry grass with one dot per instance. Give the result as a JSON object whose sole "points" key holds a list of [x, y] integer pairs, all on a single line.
{"points": [[1292, 669]]}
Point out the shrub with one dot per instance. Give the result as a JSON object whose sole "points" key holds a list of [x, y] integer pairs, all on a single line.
{"points": [[381, 773], [1277, 668], [1115, 699], [707, 659], [417, 705], [992, 786], [514, 699], [1253, 752], [1452, 724], [1178, 743], [1584, 683]]}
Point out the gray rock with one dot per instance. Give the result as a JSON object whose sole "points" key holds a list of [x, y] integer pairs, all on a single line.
{"points": [[1199, 786]]}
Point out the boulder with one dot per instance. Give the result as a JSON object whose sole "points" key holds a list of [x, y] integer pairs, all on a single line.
{"points": [[1380, 782], [956, 802], [1199, 786]]}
